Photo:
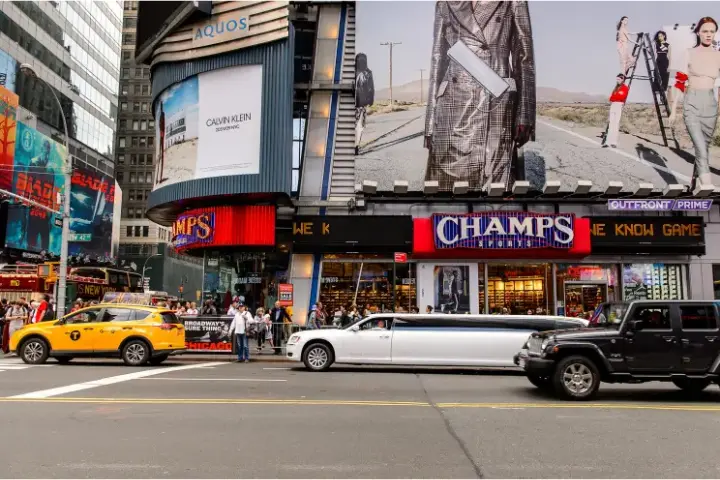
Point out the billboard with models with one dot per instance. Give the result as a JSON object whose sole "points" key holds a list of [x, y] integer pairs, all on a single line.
{"points": [[494, 92]]}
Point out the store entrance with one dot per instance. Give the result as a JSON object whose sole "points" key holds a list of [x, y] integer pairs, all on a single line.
{"points": [[581, 299]]}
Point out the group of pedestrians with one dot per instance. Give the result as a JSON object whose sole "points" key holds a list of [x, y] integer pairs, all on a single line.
{"points": [[272, 327], [15, 314]]}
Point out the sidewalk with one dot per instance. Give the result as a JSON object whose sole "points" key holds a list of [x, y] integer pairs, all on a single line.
{"points": [[265, 356]]}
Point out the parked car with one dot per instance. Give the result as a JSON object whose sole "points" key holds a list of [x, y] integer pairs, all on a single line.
{"points": [[641, 341], [417, 339]]}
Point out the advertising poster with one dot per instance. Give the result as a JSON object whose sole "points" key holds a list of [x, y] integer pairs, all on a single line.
{"points": [[38, 176], [203, 132], [285, 294], [207, 335], [452, 288], [92, 204], [494, 92], [8, 127]]}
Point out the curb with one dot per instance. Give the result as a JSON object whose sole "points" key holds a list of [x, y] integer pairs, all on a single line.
{"points": [[189, 358]]}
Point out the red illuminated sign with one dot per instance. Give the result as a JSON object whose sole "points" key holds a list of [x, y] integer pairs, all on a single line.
{"points": [[38, 190], [400, 257], [95, 183], [285, 294]]}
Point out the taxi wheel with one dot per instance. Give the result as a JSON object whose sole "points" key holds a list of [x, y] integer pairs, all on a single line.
{"points": [[159, 359], [136, 353], [34, 351]]}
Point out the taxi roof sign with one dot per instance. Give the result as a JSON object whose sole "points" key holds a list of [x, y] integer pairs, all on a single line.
{"points": [[148, 299]]}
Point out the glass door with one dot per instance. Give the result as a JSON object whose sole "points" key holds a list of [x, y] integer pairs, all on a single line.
{"points": [[581, 299]]}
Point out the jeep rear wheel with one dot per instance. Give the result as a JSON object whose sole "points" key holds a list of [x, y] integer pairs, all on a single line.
{"points": [[691, 385], [576, 378]]}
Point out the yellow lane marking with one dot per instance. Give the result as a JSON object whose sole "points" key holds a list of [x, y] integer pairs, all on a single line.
{"points": [[367, 403]]}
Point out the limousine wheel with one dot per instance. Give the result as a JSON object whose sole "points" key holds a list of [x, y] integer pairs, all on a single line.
{"points": [[543, 383], [318, 357], [576, 378]]}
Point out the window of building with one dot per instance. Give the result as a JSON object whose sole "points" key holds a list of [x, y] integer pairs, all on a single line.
{"points": [[149, 158], [121, 159], [126, 55], [137, 230], [141, 159], [129, 22], [133, 177], [124, 90], [652, 281], [144, 107], [138, 213], [124, 106], [138, 72], [698, 317], [151, 141], [125, 73], [136, 125], [143, 141], [136, 107], [136, 89], [129, 38], [143, 125], [121, 142], [146, 72], [134, 141], [123, 124], [148, 177], [129, 231], [133, 159], [131, 195], [120, 177], [145, 89], [151, 124], [145, 231]]}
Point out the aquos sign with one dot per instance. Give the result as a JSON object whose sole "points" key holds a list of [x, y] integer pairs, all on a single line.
{"points": [[503, 230], [221, 29], [193, 229]]}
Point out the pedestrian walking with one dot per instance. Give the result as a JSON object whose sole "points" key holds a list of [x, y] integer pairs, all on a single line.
{"points": [[238, 328], [261, 330], [281, 326]]}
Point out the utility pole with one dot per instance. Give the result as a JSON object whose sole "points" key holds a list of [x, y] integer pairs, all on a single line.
{"points": [[391, 45], [421, 85]]}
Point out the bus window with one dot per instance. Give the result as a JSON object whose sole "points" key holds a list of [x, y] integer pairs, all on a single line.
{"points": [[98, 273], [135, 282]]}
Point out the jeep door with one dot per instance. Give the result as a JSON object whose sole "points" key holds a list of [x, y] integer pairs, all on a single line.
{"points": [[698, 336], [653, 346]]}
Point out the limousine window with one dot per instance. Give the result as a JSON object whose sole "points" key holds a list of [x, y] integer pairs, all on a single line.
{"points": [[534, 323], [377, 324]]}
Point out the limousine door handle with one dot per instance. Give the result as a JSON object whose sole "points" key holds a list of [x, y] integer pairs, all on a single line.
{"points": [[710, 339], [384, 336]]}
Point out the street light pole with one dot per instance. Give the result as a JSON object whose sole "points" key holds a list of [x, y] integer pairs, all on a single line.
{"points": [[67, 173], [145, 267]]}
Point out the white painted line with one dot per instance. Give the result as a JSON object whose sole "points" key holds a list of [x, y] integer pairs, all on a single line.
{"points": [[53, 392], [635, 158], [190, 379], [2, 370], [15, 367], [277, 368]]}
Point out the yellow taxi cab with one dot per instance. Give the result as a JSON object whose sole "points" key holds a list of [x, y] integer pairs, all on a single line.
{"points": [[138, 334]]}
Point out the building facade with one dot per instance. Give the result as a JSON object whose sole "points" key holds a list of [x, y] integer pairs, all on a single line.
{"points": [[330, 184], [73, 48]]}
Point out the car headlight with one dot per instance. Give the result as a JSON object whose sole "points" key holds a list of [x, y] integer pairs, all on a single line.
{"points": [[294, 339]]}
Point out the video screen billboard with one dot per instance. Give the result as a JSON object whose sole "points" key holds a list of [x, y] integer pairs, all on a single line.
{"points": [[204, 132], [502, 91], [8, 129], [92, 204], [37, 176]]}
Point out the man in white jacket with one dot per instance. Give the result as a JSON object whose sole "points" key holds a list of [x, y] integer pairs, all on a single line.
{"points": [[238, 328]]}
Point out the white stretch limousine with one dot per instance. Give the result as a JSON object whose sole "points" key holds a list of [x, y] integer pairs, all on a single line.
{"points": [[417, 339]]}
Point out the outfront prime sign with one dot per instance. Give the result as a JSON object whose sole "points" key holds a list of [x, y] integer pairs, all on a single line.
{"points": [[503, 230], [661, 205]]}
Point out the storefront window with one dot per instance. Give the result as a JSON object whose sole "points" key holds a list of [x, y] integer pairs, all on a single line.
{"points": [[367, 285], [652, 281], [519, 289], [581, 288]]}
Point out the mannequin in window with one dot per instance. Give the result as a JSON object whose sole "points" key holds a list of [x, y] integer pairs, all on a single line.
{"points": [[364, 96], [662, 48], [700, 108]]}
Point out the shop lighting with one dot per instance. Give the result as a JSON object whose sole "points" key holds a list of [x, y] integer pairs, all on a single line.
{"points": [[644, 189], [551, 187], [583, 187], [495, 189], [401, 187], [704, 190], [673, 190], [369, 187], [431, 187], [614, 188], [520, 187], [461, 187]]}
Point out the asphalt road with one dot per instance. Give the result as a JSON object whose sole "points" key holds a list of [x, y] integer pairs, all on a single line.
{"points": [[266, 419], [392, 149]]}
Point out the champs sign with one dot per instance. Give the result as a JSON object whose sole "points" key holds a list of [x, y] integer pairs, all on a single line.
{"points": [[503, 230], [193, 229]]}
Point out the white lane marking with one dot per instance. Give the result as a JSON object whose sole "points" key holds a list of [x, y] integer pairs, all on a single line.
{"points": [[2, 370], [53, 392], [635, 158], [190, 379], [15, 367], [277, 368]]}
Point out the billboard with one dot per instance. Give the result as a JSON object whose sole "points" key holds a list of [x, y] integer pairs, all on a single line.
{"points": [[494, 92], [8, 127], [37, 176], [204, 132], [92, 204]]}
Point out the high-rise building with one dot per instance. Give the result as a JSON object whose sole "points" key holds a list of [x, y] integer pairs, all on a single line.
{"points": [[140, 238], [72, 48]]}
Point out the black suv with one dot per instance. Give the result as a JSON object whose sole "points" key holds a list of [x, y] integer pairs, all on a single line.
{"points": [[671, 341]]}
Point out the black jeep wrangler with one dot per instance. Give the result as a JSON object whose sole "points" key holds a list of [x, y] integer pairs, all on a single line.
{"points": [[642, 341]]}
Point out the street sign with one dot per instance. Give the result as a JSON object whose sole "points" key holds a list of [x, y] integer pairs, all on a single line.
{"points": [[400, 257], [80, 237]]}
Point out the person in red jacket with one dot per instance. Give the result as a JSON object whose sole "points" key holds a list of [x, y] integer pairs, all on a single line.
{"points": [[617, 100], [42, 309]]}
